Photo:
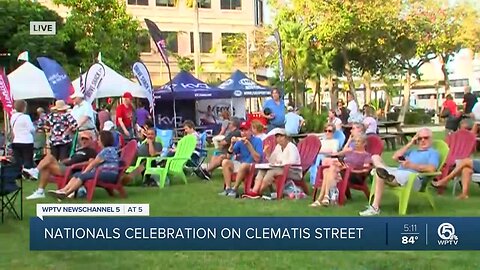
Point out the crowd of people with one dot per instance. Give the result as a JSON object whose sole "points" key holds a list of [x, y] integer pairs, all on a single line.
{"points": [[79, 135]]}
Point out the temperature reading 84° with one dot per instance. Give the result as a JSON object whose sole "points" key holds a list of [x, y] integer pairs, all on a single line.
{"points": [[410, 239]]}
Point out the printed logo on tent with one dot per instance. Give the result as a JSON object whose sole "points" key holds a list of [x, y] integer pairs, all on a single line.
{"points": [[218, 108], [238, 93], [249, 84], [187, 86], [226, 83]]}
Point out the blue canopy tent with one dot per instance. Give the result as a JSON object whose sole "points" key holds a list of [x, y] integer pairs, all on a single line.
{"points": [[238, 81], [187, 87]]}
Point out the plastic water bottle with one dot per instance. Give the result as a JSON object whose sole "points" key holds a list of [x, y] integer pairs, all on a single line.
{"points": [[334, 195], [81, 192]]}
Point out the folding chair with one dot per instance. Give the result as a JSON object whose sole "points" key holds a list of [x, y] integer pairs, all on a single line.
{"points": [[200, 154], [9, 190]]}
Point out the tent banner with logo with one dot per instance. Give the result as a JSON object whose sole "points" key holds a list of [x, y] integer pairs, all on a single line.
{"points": [[208, 108]]}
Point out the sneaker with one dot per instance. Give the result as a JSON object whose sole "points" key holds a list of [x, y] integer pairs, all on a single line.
{"points": [[224, 192], [33, 172], [36, 195], [370, 211], [232, 193]]}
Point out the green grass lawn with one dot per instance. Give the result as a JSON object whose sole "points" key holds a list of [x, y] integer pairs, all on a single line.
{"points": [[201, 199]]}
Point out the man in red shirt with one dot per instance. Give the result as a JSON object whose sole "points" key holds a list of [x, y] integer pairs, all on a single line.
{"points": [[124, 117]]}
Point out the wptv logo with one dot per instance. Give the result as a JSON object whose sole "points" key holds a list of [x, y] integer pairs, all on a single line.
{"points": [[446, 233]]}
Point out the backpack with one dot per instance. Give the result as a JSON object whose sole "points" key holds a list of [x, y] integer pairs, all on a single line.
{"points": [[292, 191]]}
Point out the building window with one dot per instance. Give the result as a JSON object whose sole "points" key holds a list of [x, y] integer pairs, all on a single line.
{"points": [[145, 43], [165, 3], [206, 42], [171, 41], [258, 12], [138, 2], [231, 4], [232, 42], [205, 3]]}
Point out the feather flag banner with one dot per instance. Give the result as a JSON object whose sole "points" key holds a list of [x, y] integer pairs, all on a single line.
{"points": [[58, 79], [93, 79], [157, 37], [5, 96], [280, 56], [143, 76]]}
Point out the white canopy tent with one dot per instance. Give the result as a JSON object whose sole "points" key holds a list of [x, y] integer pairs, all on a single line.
{"points": [[29, 82], [114, 85]]}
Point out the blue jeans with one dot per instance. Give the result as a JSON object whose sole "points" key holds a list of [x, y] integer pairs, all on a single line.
{"points": [[104, 176]]}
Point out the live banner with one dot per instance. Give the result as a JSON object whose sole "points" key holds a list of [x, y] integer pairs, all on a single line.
{"points": [[254, 233]]}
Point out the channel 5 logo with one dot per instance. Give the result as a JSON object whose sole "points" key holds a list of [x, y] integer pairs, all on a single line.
{"points": [[446, 233]]}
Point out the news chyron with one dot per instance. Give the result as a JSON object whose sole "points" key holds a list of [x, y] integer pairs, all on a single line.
{"points": [[130, 227]]}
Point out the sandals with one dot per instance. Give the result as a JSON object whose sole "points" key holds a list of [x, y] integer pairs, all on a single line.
{"points": [[316, 204], [325, 202]]}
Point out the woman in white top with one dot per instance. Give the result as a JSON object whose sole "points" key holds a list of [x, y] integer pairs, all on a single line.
{"points": [[23, 134], [285, 153], [369, 121], [329, 146], [334, 120]]}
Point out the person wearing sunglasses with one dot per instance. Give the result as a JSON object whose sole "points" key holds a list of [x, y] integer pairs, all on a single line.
{"points": [[423, 159], [50, 166], [330, 145]]}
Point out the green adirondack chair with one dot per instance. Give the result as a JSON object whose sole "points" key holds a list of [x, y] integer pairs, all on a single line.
{"points": [[174, 165], [403, 193]]}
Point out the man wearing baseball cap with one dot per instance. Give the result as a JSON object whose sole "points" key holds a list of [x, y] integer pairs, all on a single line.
{"points": [[293, 121], [83, 112], [248, 149], [124, 117]]}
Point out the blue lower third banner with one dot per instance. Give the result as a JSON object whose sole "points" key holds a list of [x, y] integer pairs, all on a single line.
{"points": [[254, 233]]}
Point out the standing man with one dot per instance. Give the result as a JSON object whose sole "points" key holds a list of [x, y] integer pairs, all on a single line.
{"points": [[469, 100], [83, 112], [293, 122], [124, 117], [274, 111]]}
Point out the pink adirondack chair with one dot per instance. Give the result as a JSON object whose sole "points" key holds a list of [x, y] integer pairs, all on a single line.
{"points": [[127, 157], [462, 144], [308, 149]]}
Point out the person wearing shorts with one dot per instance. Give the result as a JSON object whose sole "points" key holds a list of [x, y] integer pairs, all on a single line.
{"points": [[464, 168], [49, 166], [424, 159], [285, 153], [107, 160], [248, 149]]}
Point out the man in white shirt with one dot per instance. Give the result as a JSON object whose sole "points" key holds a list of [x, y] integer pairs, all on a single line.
{"points": [[285, 153], [83, 112], [476, 112]]}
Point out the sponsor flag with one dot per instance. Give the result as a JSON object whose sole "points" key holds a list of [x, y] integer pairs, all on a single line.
{"points": [[143, 76], [93, 79], [280, 56], [5, 96], [59, 81], [159, 40]]}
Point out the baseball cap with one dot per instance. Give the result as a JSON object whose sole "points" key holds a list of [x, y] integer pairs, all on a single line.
{"points": [[108, 125], [77, 94], [127, 95], [244, 125]]}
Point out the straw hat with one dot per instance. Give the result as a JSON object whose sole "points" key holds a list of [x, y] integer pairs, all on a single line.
{"points": [[60, 106]]}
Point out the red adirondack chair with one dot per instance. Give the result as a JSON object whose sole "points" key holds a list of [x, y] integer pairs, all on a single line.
{"points": [[374, 147], [308, 149], [462, 145], [62, 180], [269, 144], [127, 156]]}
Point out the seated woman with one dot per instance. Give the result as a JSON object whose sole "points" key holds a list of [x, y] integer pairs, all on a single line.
{"points": [[107, 160], [369, 120], [285, 153], [223, 131], [358, 160], [329, 146], [464, 168]]}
